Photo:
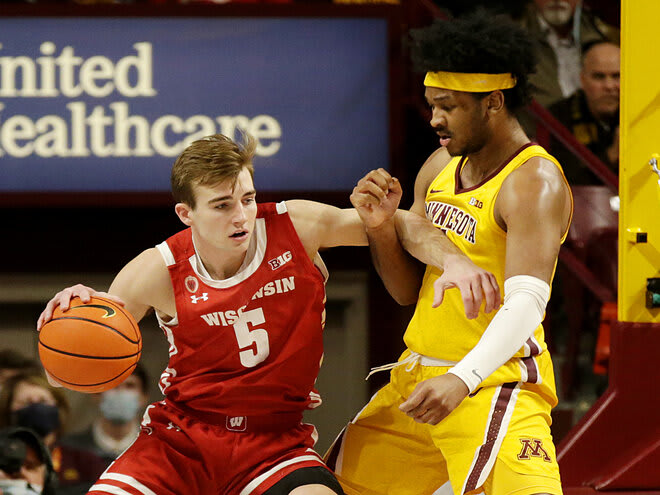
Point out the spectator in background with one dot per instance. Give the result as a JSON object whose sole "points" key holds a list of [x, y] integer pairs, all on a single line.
{"points": [[25, 464], [592, 113], [29, 401], [13, 362], [561, 27], [119, 423]]}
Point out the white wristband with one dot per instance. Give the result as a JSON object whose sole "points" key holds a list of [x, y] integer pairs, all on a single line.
{"points": [[524, 307]]}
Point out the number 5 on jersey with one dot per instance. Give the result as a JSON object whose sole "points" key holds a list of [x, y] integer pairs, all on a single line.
{"points": [[251, 355]]}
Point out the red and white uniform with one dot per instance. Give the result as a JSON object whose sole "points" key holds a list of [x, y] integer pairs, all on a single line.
{"points": [[244, 355]]}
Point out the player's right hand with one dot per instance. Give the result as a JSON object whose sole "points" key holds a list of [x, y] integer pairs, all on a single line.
{"points": [[63, 299], [51, 380], [475, 283], [376, 197]]}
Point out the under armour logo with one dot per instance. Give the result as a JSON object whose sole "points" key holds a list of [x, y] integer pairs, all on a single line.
{"points": [[172, 426], [236, 423], [203, 297]]}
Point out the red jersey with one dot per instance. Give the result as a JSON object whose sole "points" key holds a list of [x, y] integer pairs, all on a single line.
{"points": [[251, 344]]}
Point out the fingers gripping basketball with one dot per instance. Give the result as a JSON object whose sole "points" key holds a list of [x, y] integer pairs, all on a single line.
{"points": [[90, 347]]}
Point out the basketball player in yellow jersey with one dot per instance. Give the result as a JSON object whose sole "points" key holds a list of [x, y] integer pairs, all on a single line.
{"points": [[467, 408]]}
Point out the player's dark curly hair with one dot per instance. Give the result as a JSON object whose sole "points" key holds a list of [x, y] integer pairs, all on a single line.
{"points": [[478, 43]]}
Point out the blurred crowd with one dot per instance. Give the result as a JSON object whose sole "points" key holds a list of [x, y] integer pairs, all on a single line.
{"points": [[43, 448]]}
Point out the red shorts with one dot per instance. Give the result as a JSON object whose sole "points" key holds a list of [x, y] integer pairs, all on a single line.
{"points": [[176, 454]]}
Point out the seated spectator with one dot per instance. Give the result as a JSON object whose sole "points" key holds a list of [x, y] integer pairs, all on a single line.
{"points": [[592, 113], [29, 401], [13, 362], [25, 464], [561, 27], [118, 425]]}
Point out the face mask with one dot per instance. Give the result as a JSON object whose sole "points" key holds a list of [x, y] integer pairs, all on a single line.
{"points": [[558, 17], [120, 406], [18, 487], [42, 418]]}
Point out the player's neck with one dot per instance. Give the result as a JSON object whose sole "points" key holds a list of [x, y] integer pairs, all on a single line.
{"points": [[220, 264], [224, 266], [507, 138]]}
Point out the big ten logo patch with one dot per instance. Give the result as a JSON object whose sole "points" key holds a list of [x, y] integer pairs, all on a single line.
{"points": [[475, 202], [236, 423], [282, 259], [533, 447]]}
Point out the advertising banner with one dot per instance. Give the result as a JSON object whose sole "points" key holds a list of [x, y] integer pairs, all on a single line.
{"points": [[106, 104]]}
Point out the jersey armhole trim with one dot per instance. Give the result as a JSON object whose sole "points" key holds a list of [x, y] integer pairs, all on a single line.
{"points": [[320, 264], [166, 253], [281, 207]]}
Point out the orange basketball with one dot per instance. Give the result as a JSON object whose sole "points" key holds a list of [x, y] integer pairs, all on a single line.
{"points": [[90, 347]]}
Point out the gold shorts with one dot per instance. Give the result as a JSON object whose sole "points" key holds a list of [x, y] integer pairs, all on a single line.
{"points": [[497, 441]]}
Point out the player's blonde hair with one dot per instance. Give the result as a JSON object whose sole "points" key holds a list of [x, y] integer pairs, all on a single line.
{"points": [[208, 162]]}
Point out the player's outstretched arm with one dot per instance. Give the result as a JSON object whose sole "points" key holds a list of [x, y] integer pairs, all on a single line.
{"points": [[324, 226], [431, 246], [376, 198], [411, 232]]}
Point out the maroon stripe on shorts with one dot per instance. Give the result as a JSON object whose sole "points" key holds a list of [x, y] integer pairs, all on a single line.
{"points": [[534, 350], [532, 369], [494, 425]]}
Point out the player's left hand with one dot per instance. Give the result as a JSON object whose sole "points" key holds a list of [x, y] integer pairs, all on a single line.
{"points": [[376, 198], [433, 399], [475, 284]]}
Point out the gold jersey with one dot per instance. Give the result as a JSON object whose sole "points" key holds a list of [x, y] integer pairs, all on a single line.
{"points": [[467, 217]]}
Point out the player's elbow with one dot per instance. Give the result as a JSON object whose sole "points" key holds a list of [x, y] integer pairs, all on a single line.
{"points": [[404, 298]]}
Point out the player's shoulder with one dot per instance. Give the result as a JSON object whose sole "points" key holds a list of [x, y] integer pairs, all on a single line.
{"points": [[537, 176], [149, 263], [303, 210], [538, 168], [433, 165]]}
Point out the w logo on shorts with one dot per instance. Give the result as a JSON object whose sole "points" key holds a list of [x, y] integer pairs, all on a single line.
{"points": [[236, 423], [533, 447]]}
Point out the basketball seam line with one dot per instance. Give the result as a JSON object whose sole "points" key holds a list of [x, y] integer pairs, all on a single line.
{"points": [[61, 380], [86, 356], [96, 322]]}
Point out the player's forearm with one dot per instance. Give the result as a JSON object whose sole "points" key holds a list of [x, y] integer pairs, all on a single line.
{"points": [[515, 322], [424, 241], [400, 273]]}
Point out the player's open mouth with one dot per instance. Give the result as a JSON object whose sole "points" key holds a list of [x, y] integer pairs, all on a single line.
{"points": [[444, 139], [239, 235]]}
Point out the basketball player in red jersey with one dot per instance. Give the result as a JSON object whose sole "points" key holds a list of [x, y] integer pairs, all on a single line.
{"points": [[240, 296]]}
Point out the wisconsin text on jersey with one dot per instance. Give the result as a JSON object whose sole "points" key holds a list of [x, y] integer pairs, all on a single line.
{"points": [[450, 217], [229, 317]]}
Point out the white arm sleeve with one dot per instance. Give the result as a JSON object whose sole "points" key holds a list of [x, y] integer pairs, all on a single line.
{"points": [[524, 306]]}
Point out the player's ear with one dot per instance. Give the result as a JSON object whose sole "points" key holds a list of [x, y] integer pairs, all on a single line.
{"points": [[495, 101], [184, 212]]}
